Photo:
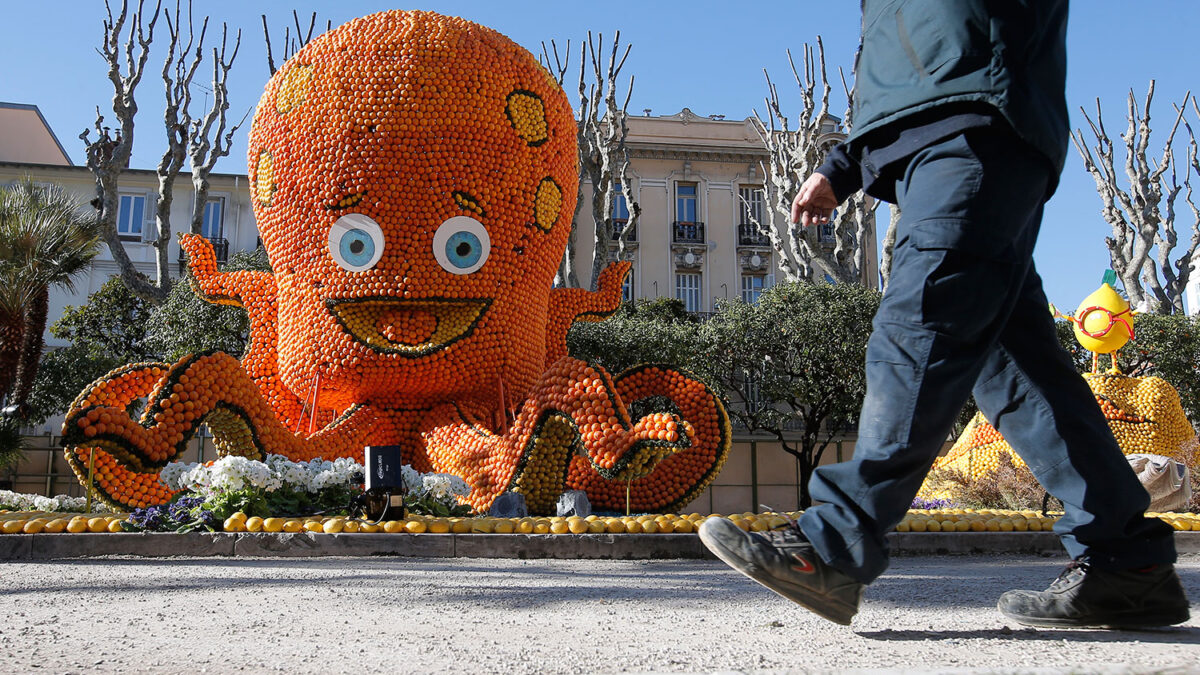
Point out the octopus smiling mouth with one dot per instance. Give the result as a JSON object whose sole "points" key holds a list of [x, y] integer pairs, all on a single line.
{"points": [[412, 328]]}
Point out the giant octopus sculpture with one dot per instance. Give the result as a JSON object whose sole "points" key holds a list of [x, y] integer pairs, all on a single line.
{"points": [[414, 178]]}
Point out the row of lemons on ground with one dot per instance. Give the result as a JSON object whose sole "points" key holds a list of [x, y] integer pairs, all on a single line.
{"points": [[917, 520]]}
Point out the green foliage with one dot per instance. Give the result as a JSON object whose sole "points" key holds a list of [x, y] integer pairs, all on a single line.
{"points": [[113, 325], [12, 443], [793, 360], [250, 501], [657, 331], [116, 327], [289, 501], [186, 324]]}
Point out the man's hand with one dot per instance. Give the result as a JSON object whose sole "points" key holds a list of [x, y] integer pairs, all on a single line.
{"points": [[814, 202]]}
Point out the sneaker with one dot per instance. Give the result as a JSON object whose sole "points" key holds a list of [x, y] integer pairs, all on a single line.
{"points": [[784, 561], [1087, 596]]}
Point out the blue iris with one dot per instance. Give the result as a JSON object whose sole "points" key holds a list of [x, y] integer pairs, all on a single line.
{"points": [[357, 247], [463, 249]]}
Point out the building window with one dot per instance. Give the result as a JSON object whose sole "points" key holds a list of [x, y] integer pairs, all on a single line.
{"points": [[687, 289], [131, 216], [685, 203], [627, 289], [620, 206], [752, 287], [825, 233], [750, 198], [214, 218]]}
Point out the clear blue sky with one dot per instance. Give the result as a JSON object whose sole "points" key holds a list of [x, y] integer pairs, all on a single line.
{"points": [[705, 55]]}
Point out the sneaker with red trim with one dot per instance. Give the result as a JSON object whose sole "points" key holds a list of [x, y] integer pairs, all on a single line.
{"points": [[1084, 595], [785, 562]]}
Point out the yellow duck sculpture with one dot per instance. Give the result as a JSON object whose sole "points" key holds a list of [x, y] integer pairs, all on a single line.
{"points": [[1103, 322]]}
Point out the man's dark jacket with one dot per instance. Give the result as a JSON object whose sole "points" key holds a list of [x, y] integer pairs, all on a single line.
{"points": [[922, 60]]}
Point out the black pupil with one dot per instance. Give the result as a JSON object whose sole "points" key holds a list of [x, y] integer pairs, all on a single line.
{"points": [[463, 249], [357, 246]]}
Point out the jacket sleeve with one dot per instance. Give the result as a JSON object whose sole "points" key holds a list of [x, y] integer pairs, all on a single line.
{"points": [[843, 172]]}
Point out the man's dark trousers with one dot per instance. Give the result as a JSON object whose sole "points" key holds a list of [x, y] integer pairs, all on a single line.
{"points": [[964, 313]]}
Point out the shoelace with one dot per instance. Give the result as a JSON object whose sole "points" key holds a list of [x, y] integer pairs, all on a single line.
{"points": [[784, 534], [1074, 569]]}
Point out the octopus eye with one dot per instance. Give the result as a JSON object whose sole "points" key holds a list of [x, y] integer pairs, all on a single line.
{"points": [[461, 245], [356, 242]]}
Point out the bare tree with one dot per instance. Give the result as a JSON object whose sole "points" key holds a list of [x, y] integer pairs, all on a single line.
{"points": [[1141, 208], [805, 254], [291, 43], [603, 158], [187, 138], [108, 155], [888, 248]]}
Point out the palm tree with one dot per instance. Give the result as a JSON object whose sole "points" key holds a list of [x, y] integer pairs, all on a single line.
{"points": [[47, 237]]}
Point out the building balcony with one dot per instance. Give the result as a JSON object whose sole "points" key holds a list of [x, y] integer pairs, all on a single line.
{"points": [[687, 232], [220, 250], [618, 226], [748, 235]]}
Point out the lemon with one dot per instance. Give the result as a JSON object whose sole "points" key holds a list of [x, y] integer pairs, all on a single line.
{"points": [[97, 524], [596, 527], [292, 525], [541, 527], [462, 525], [393, 526], [503, 526], [559, 528], [254, 524], [55, 526], [313, 526], [614, 525], [350, 526], [483, 525], [272, 525], [903, 526], [232, 525], [114, 525], [439, 526], [333, 526], [577, 525], [525, 526], [369, 528], [238, 516], [77, 524], [415, 526], [633, 527], [34, 526], [684, 526], [12, 526]]}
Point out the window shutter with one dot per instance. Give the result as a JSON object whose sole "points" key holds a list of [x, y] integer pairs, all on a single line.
{"points": [[149, 229]]}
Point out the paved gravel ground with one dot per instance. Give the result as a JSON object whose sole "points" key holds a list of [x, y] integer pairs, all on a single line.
{"points": [[352, 615]]}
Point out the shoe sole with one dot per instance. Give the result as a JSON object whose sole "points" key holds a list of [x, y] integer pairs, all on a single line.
{"points": [[814, 602], [1126, 621]]}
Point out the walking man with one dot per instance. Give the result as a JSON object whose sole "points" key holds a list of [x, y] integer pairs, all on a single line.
{"points": [[960, 119]]}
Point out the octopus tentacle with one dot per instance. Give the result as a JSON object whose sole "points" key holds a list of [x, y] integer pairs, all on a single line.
{"points": [[574, 408], [257, 293], [677, 480], [207, 389], [568, 305]]}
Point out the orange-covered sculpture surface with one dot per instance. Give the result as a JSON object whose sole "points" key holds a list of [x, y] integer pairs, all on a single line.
{"points": [[414, 178]]}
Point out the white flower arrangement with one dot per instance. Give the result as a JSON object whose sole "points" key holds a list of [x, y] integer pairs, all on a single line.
{"points": [[236, 473], [59, 503]]}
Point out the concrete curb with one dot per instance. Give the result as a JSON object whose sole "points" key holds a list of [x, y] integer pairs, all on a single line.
{"points": [[526, 546]]}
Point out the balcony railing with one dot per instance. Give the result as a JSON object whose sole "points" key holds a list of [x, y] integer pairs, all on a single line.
{"points": [[618, 226], [748, 235], [687, 232], [220, 249]]}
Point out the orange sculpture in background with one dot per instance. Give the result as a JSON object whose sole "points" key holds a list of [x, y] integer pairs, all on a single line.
{"points": [[414, 178]]}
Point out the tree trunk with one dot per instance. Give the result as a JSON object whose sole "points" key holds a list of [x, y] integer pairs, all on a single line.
{"points": [[889, 245], [12, 331], [31, 350]]}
